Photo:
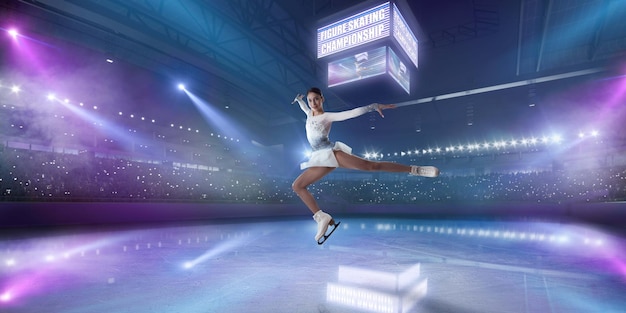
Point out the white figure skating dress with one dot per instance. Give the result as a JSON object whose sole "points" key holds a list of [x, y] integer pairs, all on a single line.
{"points": [[317, 130]]}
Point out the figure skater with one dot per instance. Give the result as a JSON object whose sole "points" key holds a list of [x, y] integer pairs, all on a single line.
{"points": [[327, 155]]}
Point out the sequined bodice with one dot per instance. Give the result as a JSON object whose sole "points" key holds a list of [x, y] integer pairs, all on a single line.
{"points": [[317, 130]]}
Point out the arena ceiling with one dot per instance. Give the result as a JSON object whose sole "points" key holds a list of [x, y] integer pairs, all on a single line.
{"points": [[250, 57]]}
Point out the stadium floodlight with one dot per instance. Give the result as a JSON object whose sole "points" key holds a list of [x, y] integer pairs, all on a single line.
{"points": [[51, 96], [181, 87], [595, 133]]}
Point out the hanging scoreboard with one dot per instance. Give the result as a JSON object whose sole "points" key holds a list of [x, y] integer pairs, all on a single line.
{"points": [[357, 42], [354, 31]]}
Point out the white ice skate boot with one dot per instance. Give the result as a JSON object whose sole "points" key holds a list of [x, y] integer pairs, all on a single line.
{"points": [[323, 220], [425, 171]]}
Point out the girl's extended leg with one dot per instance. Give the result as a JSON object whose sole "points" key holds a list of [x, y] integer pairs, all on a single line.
{"points": [[309, 176], [350, 161]]}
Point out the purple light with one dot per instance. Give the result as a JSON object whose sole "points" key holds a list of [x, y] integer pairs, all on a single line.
{"points": [[13, 33], [5, 297]]}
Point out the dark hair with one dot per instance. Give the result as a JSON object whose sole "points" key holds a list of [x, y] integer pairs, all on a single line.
{"points": [[315, 90]]}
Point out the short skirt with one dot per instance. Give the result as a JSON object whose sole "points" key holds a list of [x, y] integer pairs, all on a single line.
{"points": [[326, 157]]}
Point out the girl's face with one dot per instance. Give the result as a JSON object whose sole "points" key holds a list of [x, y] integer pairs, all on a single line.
{"points": [[315, 101]]}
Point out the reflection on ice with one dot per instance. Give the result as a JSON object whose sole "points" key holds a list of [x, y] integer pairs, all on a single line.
{"points": [[377, 291], [371, 265]]}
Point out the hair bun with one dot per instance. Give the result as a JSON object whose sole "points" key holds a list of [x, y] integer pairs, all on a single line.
{"points": [[316, 90]]}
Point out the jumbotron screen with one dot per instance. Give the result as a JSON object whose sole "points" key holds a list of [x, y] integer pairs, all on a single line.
{"points": [[366, 64], [398, 71], [357, 67]]}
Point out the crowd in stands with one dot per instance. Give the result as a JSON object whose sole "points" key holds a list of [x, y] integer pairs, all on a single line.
{"points": [[48, 176], [27, 175]]}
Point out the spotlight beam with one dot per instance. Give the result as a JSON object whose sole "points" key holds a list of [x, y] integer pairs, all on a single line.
{"points": [[214, 117], [110, 129], [217, 250]]}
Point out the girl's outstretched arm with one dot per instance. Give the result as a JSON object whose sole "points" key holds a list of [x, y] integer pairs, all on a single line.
{"points": [[342, 116], [302, 104]]}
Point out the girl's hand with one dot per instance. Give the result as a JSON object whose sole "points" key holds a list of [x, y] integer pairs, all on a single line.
{"points": [[298, 97], [382, 107]]}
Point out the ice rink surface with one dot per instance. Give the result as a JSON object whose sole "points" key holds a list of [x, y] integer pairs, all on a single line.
{"points": [[368, 265]]}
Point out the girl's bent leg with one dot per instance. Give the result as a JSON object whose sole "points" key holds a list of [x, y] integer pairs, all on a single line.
{"points": [[308, 177]]}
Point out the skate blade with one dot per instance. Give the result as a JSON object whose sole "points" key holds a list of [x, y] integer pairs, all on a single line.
{"points": [[323, 239]]}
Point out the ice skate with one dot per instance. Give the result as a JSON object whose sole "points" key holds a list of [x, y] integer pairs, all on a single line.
{"points": [[424, 171], [324, 220]]}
